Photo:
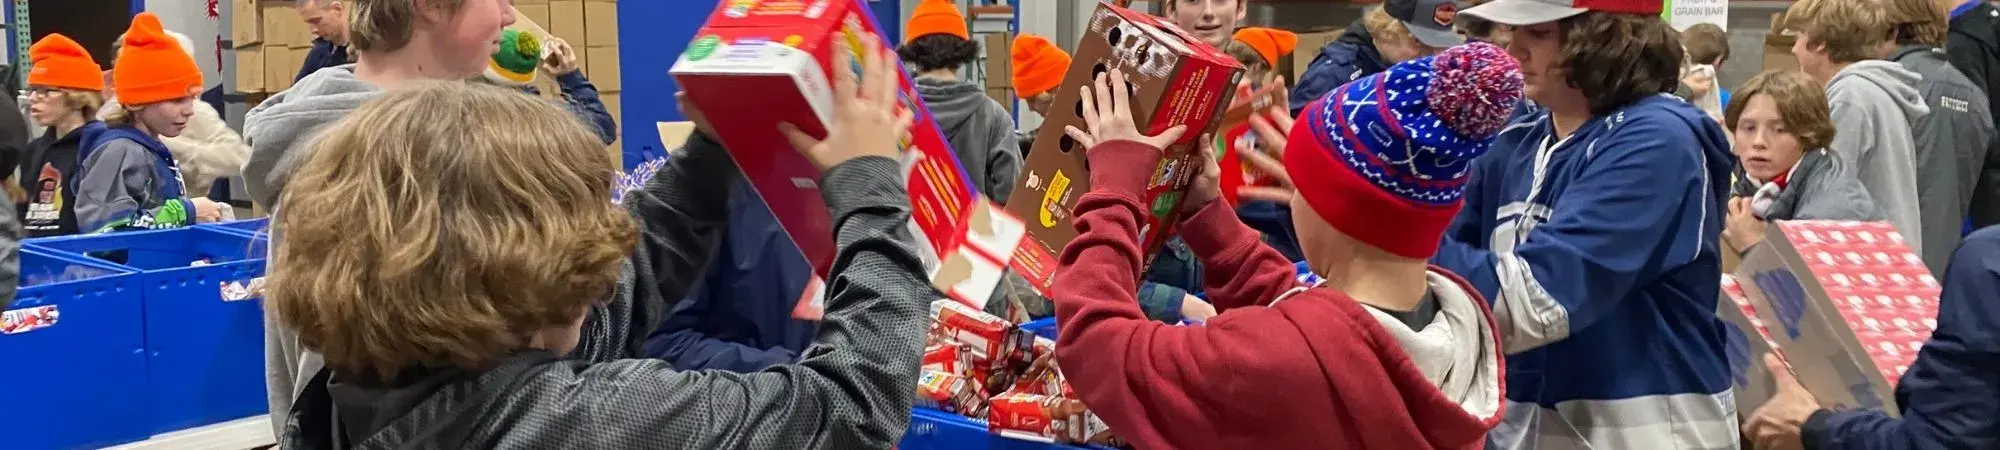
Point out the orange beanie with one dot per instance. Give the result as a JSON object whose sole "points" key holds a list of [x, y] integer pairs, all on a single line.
{"points": [[62, 63], [936, 17], [1038, 65], [1271, 43], [151, 66]]}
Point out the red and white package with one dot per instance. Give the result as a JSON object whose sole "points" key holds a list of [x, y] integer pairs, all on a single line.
{"points": [[784, 51], [1850, 303], [991, 339], [951, 393], [1046, 418]]}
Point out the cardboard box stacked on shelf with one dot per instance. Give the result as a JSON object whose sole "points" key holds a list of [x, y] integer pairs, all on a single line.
{"points": [[271, 41], [591, 29], [1849, 304]]}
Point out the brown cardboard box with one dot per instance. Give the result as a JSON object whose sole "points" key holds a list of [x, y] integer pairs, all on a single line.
{"points": [[278, 68], [538, 14], [566, 22], [1309, 45], [1002, 95], [999, 60], [612, 104], [246, 24], [1778, 45], [1177, 80], [518, 3], [279, 21], [250, 72], [600, 23], [603, 69], [1849, 303]]}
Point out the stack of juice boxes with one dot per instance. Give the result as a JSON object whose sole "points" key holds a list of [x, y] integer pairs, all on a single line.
{"points": [[1848, 302]]}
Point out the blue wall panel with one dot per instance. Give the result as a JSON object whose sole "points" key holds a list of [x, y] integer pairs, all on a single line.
{"points": [[652, 35]]}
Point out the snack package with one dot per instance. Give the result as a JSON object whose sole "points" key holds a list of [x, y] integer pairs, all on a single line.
{"points": [[1239, 138], [1175, 78], [991, 339], [951, 393], [783, 51], [1849, 303], [946, 357], [1045, 418]]}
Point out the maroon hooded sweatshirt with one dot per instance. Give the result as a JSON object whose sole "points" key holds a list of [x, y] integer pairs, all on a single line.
{"points": [[1314, 371]]}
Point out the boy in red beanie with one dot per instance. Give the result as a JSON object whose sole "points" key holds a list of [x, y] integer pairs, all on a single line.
{"points": [[127, 178], [1384, 354]]}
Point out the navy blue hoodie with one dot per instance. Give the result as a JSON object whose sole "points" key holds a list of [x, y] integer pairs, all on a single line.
{"points": [[738, 318], [1600, 254]]}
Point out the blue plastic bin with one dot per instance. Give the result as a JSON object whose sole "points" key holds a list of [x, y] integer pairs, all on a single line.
{"points": [[79, 381], [205, 352], [1044, 328], [932, 429], [259, 227]]}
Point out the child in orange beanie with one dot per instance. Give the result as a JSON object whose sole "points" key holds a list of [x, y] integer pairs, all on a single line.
{"points": [[980, 131], [64, 92], [1038, 68], [127, 179]]}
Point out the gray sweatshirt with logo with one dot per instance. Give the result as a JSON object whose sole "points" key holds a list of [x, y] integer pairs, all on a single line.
{"points": [[1875, 108], [1952, 146]]}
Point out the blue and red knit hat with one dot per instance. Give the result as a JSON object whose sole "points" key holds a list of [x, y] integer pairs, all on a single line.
{"points": [[1395, 147]]}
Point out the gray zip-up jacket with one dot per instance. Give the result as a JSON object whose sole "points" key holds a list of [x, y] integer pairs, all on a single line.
{"points": [[1822, 188], [1952, 144], [1875, 108], [980, 132], [850, 390], [279, 132]]}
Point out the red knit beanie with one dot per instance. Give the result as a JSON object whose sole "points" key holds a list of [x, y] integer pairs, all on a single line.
{"points": [[1384, 158]]}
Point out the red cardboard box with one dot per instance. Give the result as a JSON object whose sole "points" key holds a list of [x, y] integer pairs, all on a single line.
{"points": [[758, 63], [1849, 303], [1175, 78]]}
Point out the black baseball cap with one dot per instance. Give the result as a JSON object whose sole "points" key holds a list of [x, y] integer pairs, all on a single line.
{"points": [[1430, 21]]}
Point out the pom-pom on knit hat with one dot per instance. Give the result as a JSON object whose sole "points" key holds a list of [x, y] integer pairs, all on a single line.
{"points": [[1384, 158], [62, 63], [936, 17], [515, 62], [152, 67], [1038, 65], [1270, 43]]}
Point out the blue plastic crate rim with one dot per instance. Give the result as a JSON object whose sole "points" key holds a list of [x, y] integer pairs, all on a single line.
{"points": [[157, 250], [255, 227], [956, 431], [41, 268]]}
